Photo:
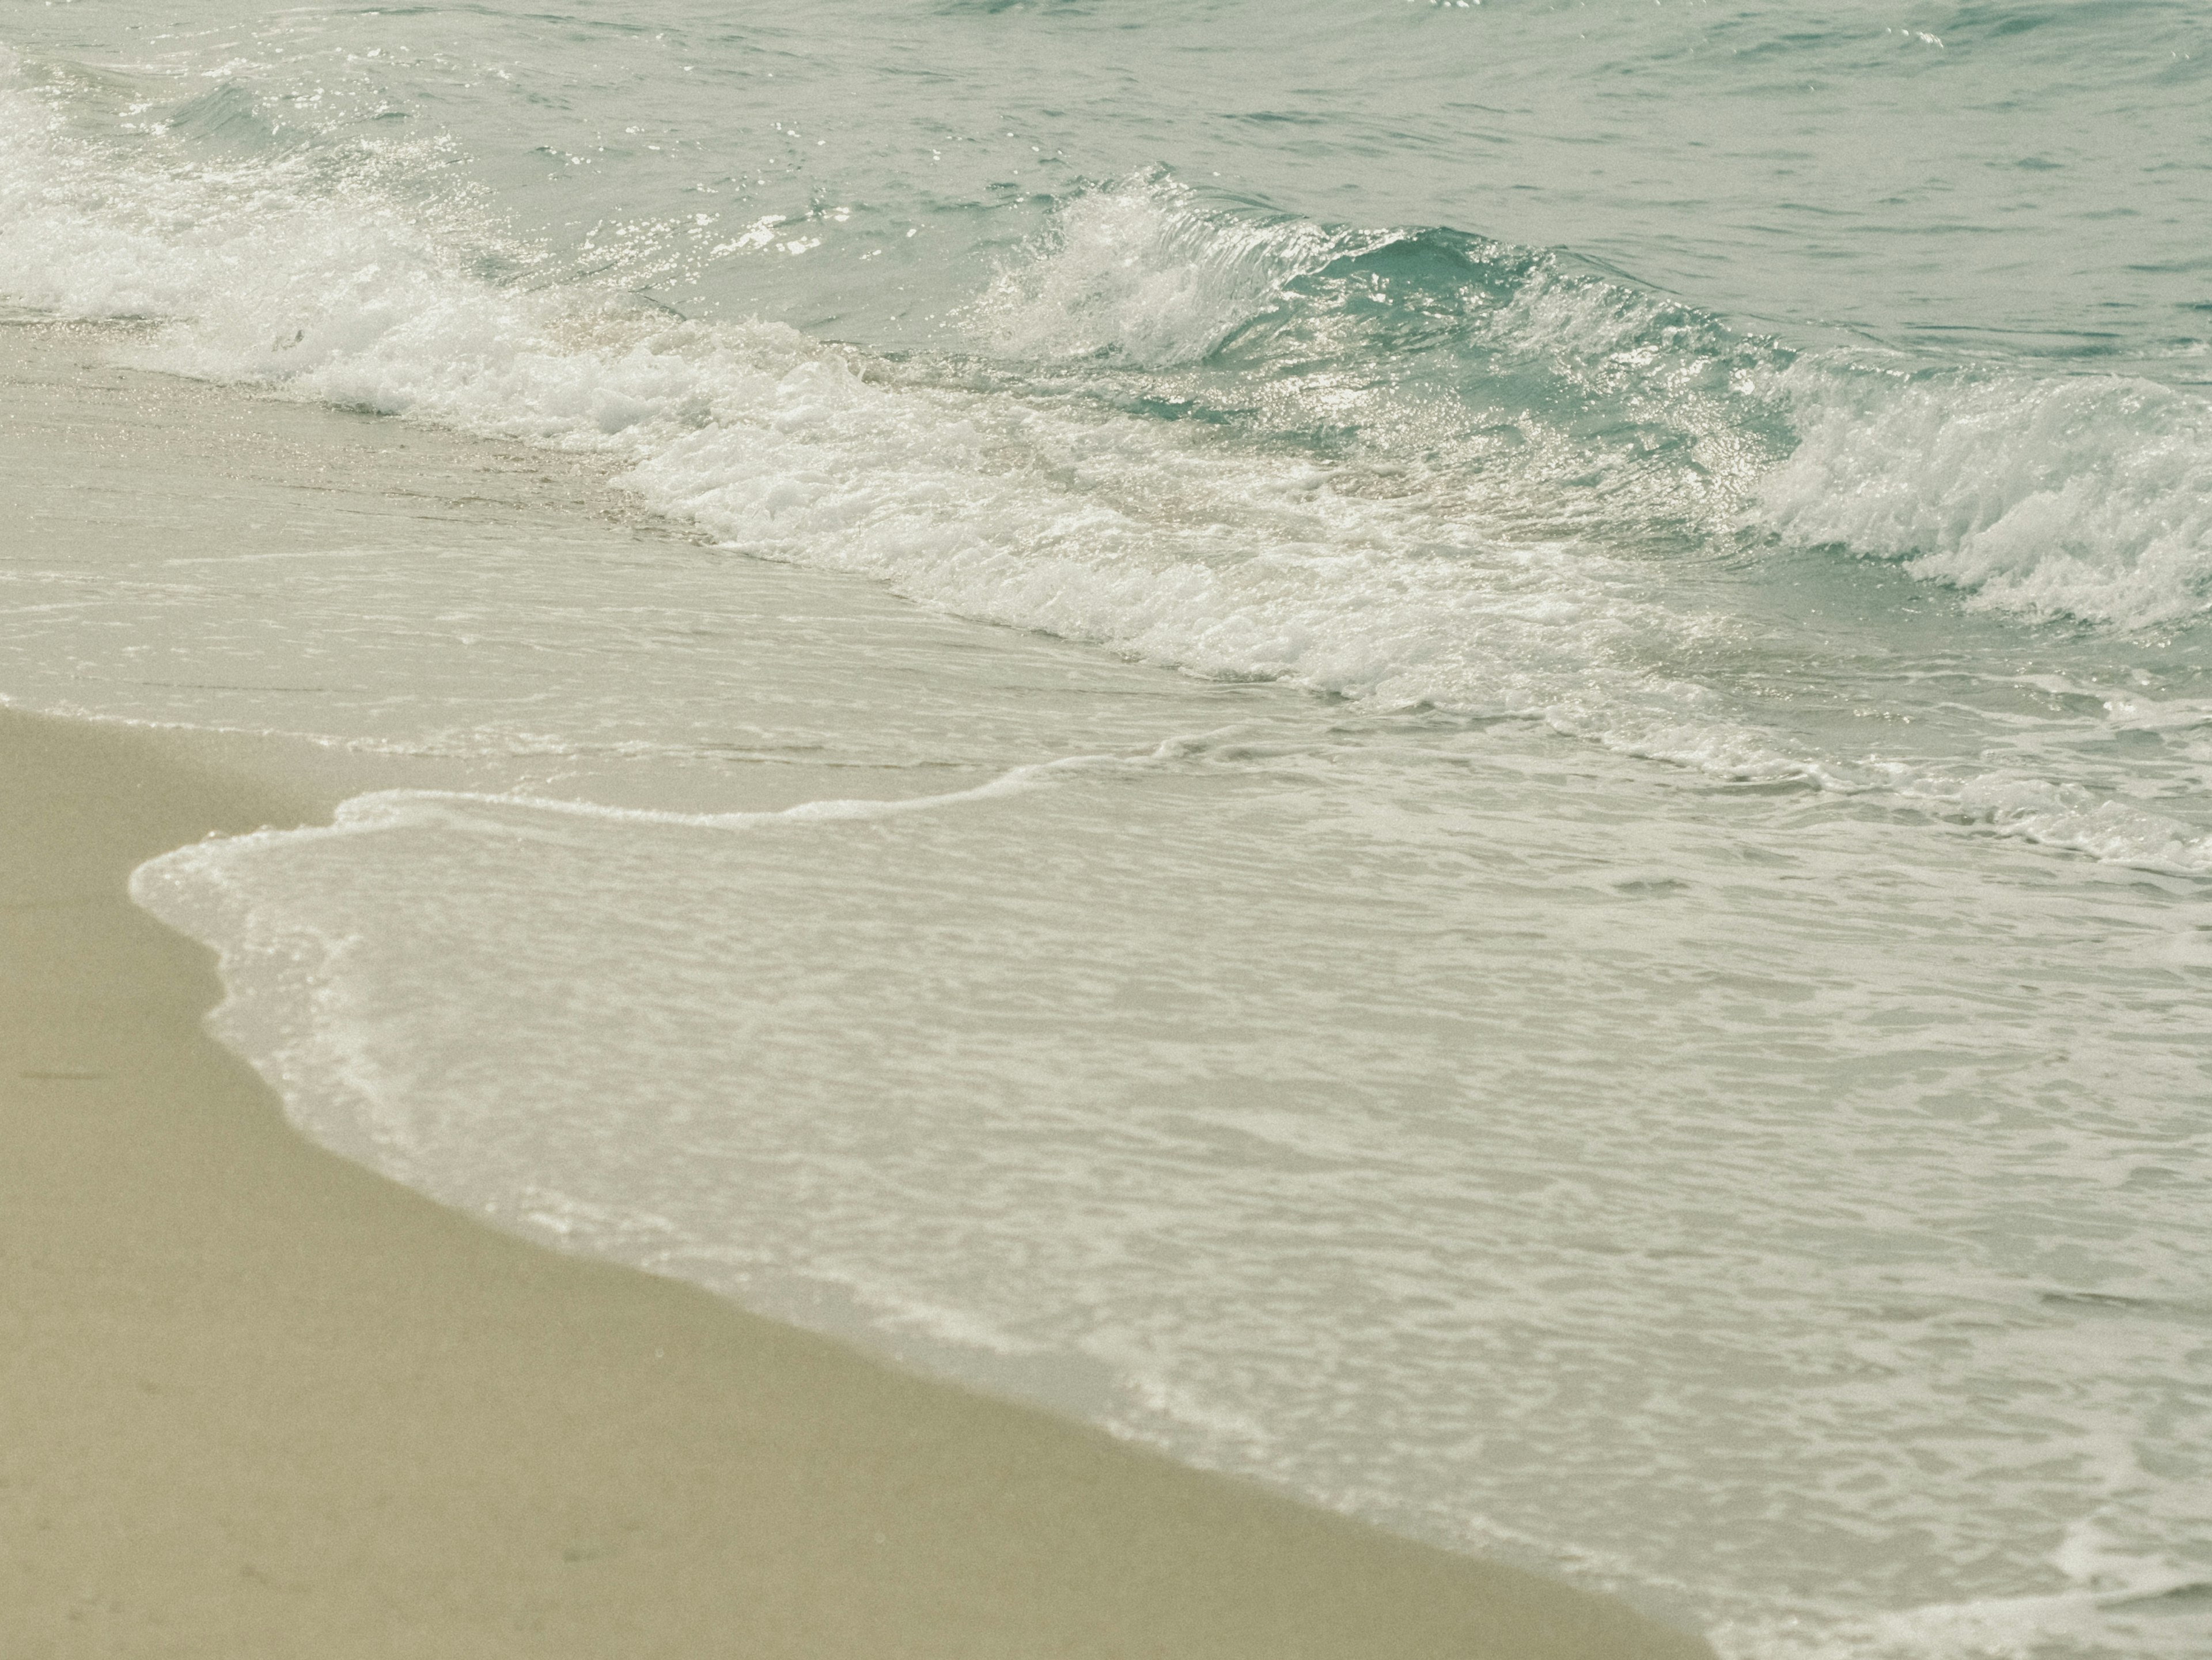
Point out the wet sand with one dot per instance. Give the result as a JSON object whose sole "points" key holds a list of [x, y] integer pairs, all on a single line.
{"points": [[256, 1401], [261, 1402]]}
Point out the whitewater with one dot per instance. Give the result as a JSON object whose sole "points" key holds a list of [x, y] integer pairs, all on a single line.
{"points": [[1460, 756]]}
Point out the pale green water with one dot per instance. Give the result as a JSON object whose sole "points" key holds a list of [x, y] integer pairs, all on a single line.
{"points": [[1594, 940]]}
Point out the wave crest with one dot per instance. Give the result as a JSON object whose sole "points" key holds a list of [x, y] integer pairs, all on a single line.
{"points": [[1142, 274], [2084, 497], [1440, 472]]}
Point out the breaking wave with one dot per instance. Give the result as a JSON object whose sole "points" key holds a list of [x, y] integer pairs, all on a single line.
{"points": [[1413, 467]]}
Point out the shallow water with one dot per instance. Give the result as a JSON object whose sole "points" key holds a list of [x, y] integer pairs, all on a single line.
{"points": [[1546, 666]]}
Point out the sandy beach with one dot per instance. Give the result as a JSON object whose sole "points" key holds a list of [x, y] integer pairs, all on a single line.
{"points": [[952, 829], [259, 1402]]}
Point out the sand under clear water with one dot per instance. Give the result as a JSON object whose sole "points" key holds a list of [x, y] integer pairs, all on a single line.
{"points": [[1549, 888]]}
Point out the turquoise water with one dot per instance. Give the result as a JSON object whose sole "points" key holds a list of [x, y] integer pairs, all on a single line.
{"points": [[1548, 668]]}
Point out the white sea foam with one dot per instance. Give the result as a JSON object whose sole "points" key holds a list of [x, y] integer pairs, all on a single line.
{"points": [[1207, 556], [389, 809], [1217, 556], [1142, 274], [1690, 1199], [2088, 497], [1546, 1159]]}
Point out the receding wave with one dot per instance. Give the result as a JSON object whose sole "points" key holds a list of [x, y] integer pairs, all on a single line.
{"points": [[1431, 469]]}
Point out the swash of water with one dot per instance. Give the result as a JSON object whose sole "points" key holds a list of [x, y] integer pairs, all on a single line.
{"points": [[1534, 682]]}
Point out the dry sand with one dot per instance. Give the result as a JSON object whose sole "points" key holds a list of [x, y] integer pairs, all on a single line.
{"points": [[257, 1402]]}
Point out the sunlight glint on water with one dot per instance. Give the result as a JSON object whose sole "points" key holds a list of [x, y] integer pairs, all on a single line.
{"points": [[1593, 938]]}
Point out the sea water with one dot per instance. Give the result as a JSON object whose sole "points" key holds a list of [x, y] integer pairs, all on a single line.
{"points": [[1457, 754]]}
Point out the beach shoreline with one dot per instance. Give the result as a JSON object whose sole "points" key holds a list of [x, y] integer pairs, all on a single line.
{"points": [[996, 829], [266, 1402]]}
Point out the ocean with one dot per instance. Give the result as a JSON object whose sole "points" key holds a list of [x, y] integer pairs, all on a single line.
{"points": [[1457, 754]]}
